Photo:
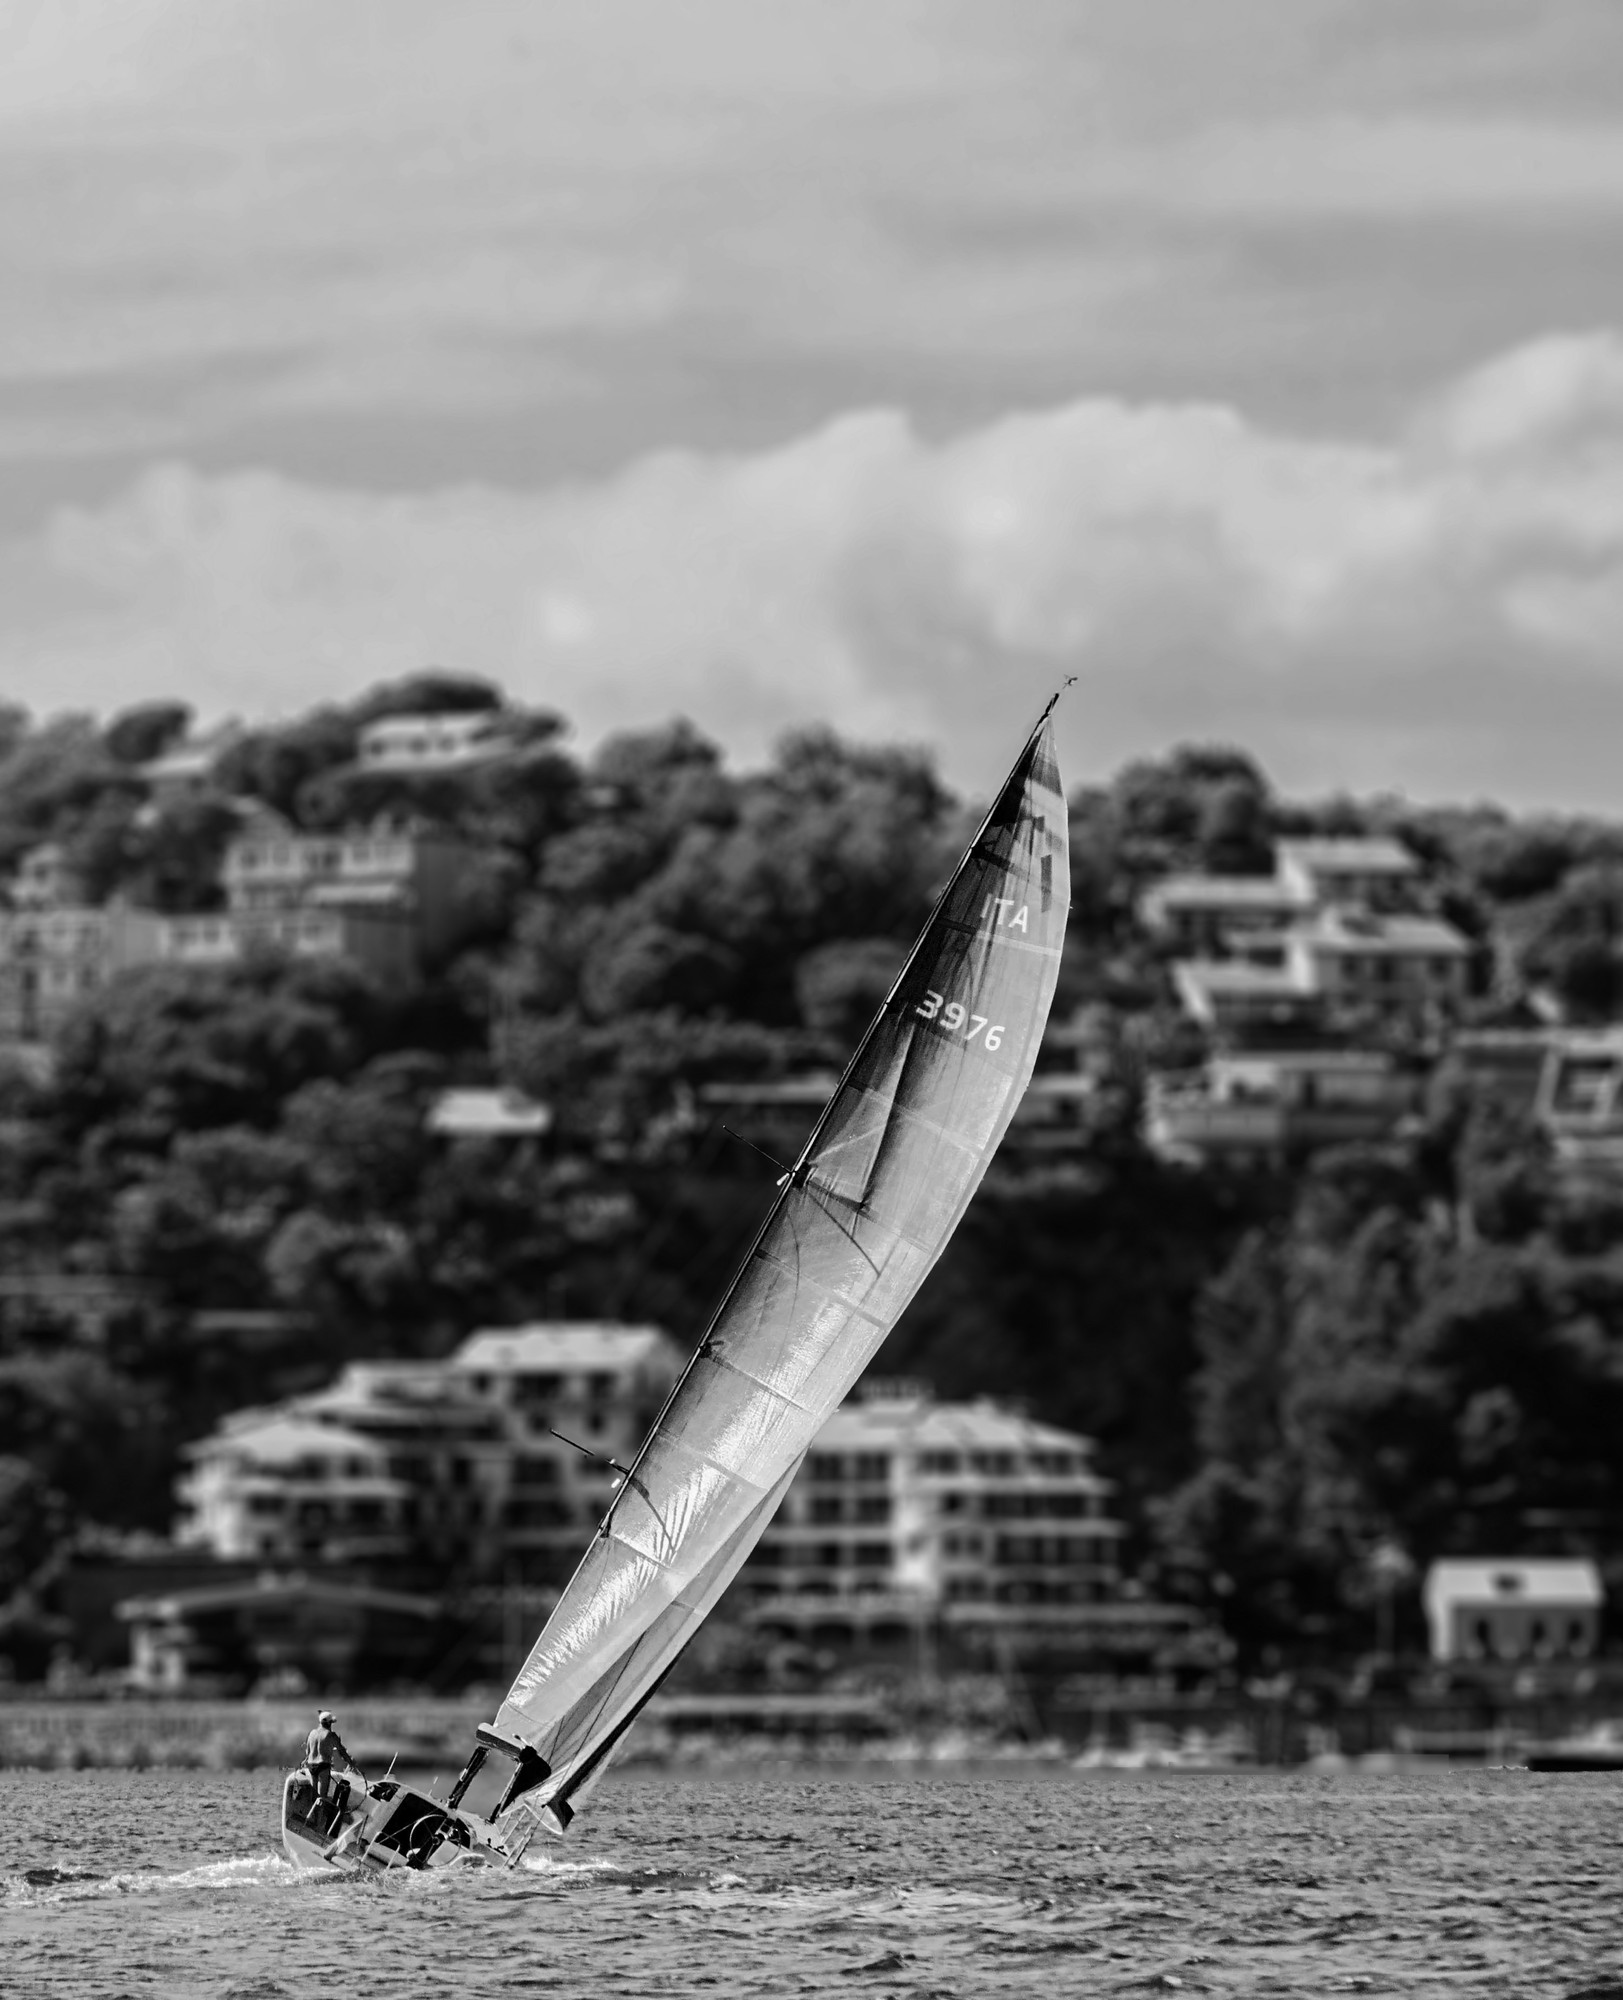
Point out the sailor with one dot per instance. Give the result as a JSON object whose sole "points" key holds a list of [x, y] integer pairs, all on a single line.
{"points": [[320, 1747]]}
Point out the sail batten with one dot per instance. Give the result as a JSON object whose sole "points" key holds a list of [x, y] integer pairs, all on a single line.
{"points": [[883, 1179]]}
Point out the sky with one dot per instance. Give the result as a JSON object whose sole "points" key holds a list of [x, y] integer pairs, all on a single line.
{"points": [[1259, 362]]}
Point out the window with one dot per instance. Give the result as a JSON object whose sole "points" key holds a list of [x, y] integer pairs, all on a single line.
{"points": [[942, 1462], [535, 1472], [827, 1507], [873, 1555], [825, 1465], [871, 1465], [873, 1507]]}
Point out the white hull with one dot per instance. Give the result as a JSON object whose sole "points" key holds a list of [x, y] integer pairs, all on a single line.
{"points": [[364, 1829]]}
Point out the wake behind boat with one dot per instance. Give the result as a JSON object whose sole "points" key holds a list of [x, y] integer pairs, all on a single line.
{"points": [[857, 1225]]}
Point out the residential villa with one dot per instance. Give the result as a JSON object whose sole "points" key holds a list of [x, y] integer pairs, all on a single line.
{"points": [[1263, 1109], [437, 742], [187, 769], [444, 1466], [386, 898], [1326, 934]]}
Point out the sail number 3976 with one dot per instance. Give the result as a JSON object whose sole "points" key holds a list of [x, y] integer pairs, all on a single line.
{"points": [[957, 1019]]}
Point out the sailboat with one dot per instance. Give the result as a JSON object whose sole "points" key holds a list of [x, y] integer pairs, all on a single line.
{"points": [[856, 1225]]}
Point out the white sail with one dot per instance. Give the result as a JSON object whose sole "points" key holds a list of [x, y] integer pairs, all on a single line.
{"points": [[867, 1210]]}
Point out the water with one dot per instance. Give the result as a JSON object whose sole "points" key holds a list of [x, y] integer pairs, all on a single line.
{"points": [[972, 1883]]}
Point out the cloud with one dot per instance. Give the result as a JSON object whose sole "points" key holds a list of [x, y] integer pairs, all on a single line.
{"points": [[1441, 609], [370, 240]]}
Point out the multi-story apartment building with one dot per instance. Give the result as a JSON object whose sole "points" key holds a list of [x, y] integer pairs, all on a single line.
{"points": [[407, 875], [1205, 914], [285, 1488], [478, 1486], [1365, 873], [387, 899], [1264, 1109], [971, 1521], [53, 958], [1328, 935], [600, 1386]]}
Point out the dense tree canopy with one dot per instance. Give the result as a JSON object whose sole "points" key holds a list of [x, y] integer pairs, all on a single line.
{"points": [[1420, 1346]]}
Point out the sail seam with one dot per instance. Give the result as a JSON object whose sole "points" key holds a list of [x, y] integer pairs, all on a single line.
{"points": [[828, 1291], [766, 1388]]}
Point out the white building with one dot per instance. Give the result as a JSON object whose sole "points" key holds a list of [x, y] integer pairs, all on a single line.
{"points": [[1262, 1108], [432, 742], [972, 1522], [187, 769], [1373, 873], [1513, 1608], [460, 1455], [285, 1488], [407, 876]]}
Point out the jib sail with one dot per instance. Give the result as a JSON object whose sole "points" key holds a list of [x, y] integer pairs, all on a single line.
{"points": [[857, 1224]]}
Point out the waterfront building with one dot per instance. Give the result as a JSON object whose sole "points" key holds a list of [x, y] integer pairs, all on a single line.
{"points": [[1513, 1608], [915, 1525], [438, 1469], [284, 1488], [600, 1385]]}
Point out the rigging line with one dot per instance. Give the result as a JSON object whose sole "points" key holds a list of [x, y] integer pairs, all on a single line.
{"points": [[601, 1458], [765, 1155]]}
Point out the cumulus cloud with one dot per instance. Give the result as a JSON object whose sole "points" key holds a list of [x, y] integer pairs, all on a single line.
{"points": [[1440, 609]]}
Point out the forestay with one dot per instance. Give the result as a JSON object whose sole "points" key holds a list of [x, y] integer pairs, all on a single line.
{"points": [[866, 1211]]}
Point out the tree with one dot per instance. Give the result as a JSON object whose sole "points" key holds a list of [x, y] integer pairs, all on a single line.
{"points": [[137, 735]]}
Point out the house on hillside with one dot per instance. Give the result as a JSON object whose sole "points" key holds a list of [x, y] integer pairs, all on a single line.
{"points": [[438, 742]]}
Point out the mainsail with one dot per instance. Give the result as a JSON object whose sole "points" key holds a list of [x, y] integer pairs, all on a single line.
{"points": [[857, 1224]]}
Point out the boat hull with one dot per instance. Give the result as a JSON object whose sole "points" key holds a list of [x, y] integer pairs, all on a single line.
{"points": [[373, 1829]]}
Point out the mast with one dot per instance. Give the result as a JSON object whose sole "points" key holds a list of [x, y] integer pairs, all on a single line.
{"points": [[855, 1226]]}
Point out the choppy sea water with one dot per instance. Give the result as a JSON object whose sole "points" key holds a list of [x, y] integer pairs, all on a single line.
{"points": [[958, 1882]]}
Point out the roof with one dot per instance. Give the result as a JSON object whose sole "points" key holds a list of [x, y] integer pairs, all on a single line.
{"points": [[920, 1424], [267, 1589], [564, 1346], [1337, 931], [346, 892], [1337, 855], [1222, 892], [1299, 1062], [272, 1439], [487, 1114], [1513, 1580], [193, 758]]}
